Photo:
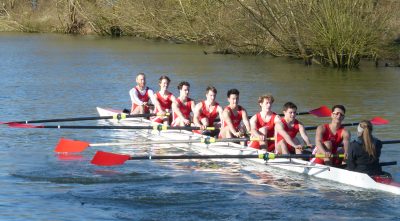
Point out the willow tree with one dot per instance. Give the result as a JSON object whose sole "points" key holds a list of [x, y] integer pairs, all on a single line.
{"points": [[336, 33]]}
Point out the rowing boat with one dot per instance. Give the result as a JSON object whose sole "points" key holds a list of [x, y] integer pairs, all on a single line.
{"points": [[295, 165]]}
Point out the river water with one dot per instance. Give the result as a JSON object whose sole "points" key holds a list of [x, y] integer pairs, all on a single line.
{"points": [[55, 76]]}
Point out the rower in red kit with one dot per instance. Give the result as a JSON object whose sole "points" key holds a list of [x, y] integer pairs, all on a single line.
{"points": [[286, 141], [263, 124], [233, 115], [207, 111], [141, 95], [183, 106], [164, 100], [329, 137]]}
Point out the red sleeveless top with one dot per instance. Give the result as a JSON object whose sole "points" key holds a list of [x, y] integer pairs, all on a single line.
{"points": [[335, 139], [270, 125], [209, 115], [185, 109], [165, 103], [144, 98], [291, 131], [235, 119]]}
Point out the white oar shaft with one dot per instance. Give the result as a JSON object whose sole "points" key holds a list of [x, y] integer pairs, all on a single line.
{"points": [[144, 143]]}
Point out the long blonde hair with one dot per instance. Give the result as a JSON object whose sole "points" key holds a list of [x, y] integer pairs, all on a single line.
{"points": [[366, 135]]}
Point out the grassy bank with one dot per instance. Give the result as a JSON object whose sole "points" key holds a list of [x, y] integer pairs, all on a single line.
{"points": [[334, 33]]}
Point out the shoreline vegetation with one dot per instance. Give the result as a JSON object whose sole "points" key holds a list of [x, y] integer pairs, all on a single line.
{"points": [[332, 33]]}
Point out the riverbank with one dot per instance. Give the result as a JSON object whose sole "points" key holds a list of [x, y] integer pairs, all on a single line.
{"points": [[332, 33]]}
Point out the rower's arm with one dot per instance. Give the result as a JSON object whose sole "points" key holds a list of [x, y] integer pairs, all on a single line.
{"points": [[134, 97], [196, 114], [280, 130], [304, 135], [318, 139], [253, 126], [346, 141], [154, 100], [245, 119], [176, 110], [227, 119]]}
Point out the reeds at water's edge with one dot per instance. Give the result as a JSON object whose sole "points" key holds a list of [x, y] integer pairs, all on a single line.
{"points": [[334, 33]]}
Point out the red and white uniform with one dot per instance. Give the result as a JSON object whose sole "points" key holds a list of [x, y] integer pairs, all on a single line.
{"points": [[138, 96], [185, 109], [165, 104], [235, 119], [270, 125], [335, 139], [292, 131], [210, 115]]}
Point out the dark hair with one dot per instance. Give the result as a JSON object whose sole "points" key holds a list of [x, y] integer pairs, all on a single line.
{"points": [[289, 105], [183, 83], [141, 73], [162, 78], [232, 91], [341, 107], [211, 88]]}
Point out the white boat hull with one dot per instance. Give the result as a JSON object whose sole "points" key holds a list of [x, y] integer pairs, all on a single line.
{"points": [[296, 165]]}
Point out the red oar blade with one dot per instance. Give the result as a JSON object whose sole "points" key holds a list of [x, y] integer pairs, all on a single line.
{"points": [[18, 125], [102, 158], [70, 146], [378, 121], [322, 111]]}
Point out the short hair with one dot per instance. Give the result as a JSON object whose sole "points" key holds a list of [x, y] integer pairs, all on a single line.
{"points": [[164, 77], [211, 88], [266, 96], [232, 91], [183, 83], [140, 74], [341, 107], [289, 105]]}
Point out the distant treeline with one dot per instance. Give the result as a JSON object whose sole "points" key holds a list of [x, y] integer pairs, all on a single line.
{"points": [[335, 33]]}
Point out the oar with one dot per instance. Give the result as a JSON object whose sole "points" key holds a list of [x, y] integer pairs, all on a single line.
{"points": [[158, 127], [69, 146], [374, 121], [102, 158], [116, 116]]}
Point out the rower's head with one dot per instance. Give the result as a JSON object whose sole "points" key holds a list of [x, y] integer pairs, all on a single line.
{"points": [[289, 110], [233, 97], [164, 82], [266, 101], [141, 80], [364, 130], [338, 112], [211, 93], [184, 88]]}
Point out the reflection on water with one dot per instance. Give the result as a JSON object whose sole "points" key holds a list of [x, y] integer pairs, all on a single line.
{"points": [[57, 76]]}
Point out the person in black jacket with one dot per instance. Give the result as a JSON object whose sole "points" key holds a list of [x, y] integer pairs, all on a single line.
{"points": [[364, 152]]}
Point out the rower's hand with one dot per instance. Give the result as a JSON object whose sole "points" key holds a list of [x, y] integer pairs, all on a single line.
{"points": [[299, 147], [328, 154], [237, 134], [145, 104], [261, 137], [202, 127], [186, 122]]}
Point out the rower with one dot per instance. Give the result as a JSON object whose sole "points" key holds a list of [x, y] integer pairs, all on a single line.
{"points": [[329, 137], [140, 96], [233, 115], [207, 111], [287, 129], [263, 124], [183, 106], [163, 102], [364, 152]]}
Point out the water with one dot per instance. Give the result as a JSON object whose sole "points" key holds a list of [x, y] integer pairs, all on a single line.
{"points": [[56, 76]]}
